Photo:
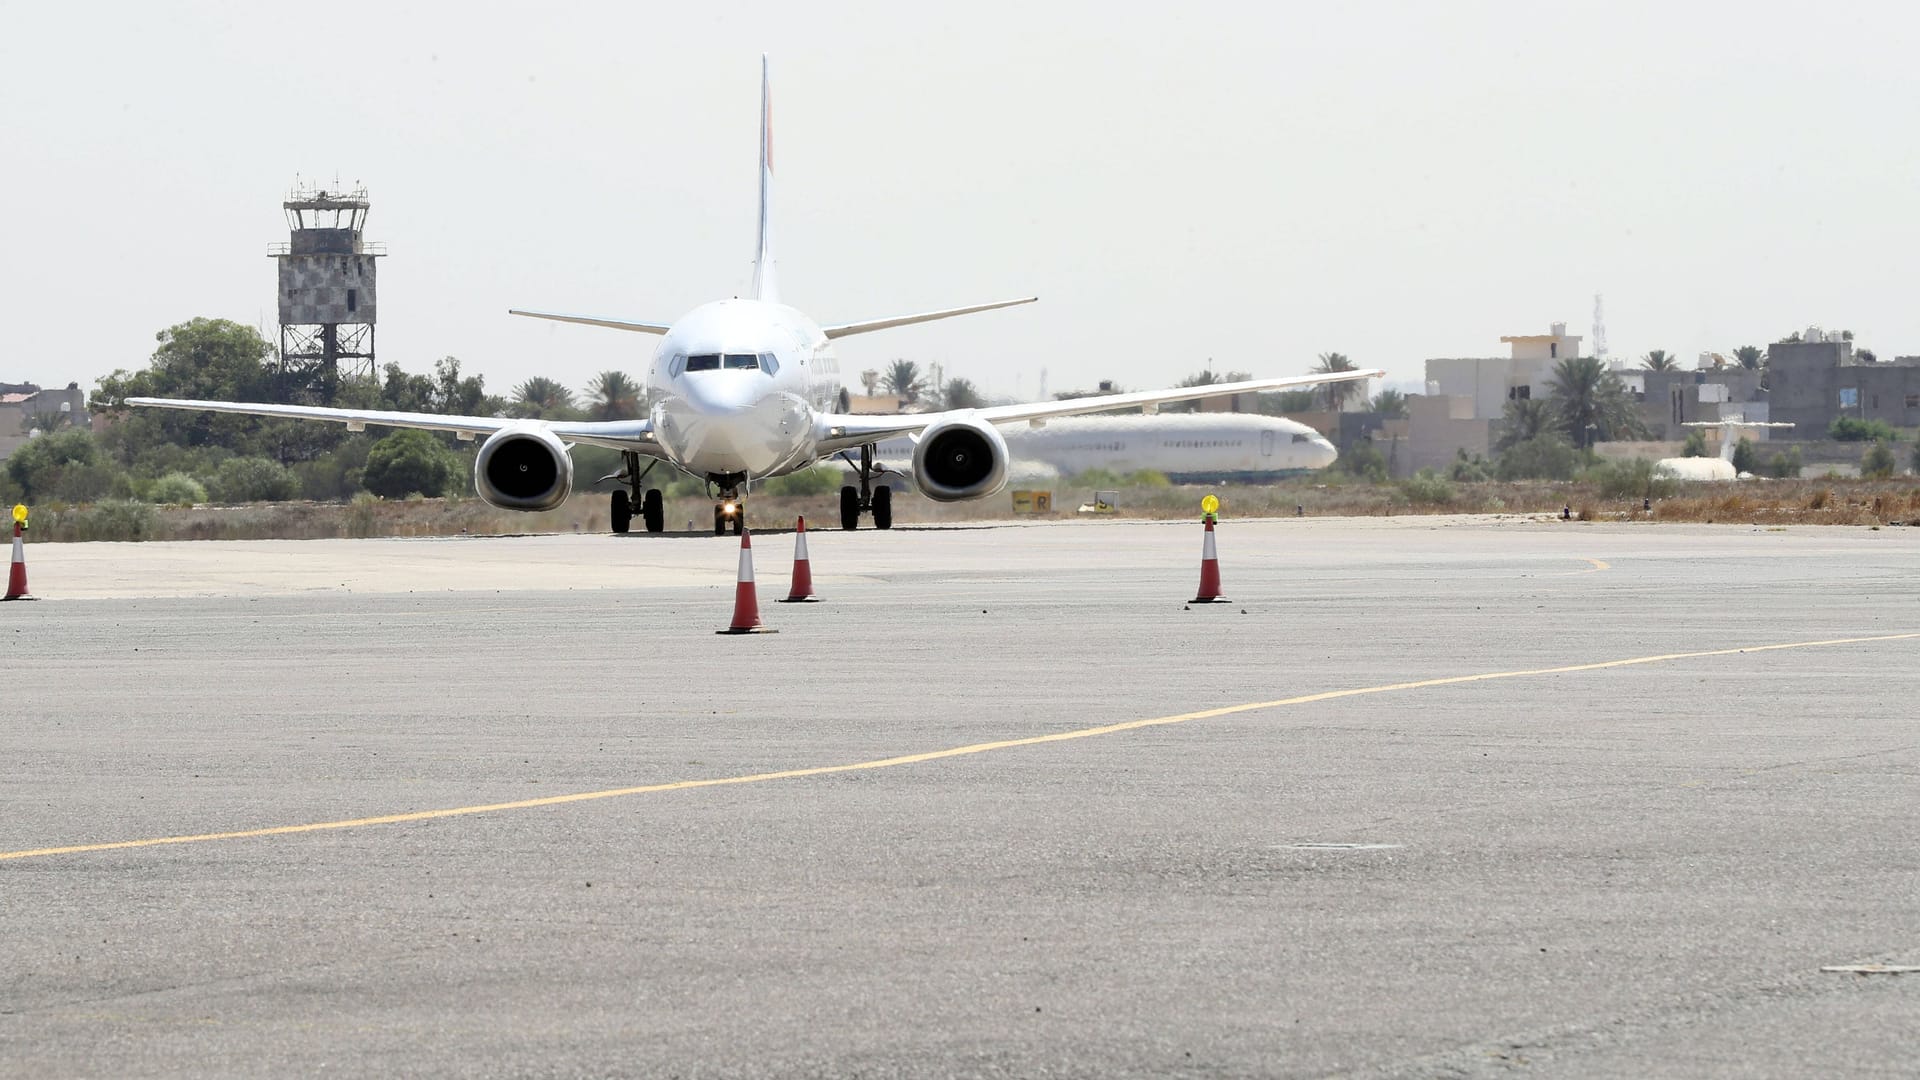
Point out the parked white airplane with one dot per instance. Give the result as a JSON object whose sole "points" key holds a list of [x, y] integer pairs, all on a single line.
{"points": [[1187, 447], [740, 390], [1720, 468]]}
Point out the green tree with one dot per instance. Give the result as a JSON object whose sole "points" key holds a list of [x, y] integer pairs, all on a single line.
{"points": [[67, 465], [409, 462], [1524, 420], [1364, 460], [211, 360], [541, 398], [1878, 462], [1336, 394], [961, 394], [1543, 457], [1866, 356], [1745, 458], [1750, 357], [1203, 377], [904, 379], [1852, 429], [614, 396], [1389, 402], [1661, 360], [1696, 444], [1592, 402], [457, 396], [1282, 402]]}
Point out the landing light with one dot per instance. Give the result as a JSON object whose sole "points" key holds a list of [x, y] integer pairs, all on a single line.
{"points": [[728, 508]]}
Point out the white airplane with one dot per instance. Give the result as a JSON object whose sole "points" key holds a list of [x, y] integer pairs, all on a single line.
{"points": [[1187, 447], [1720, 468], [741, 390]]}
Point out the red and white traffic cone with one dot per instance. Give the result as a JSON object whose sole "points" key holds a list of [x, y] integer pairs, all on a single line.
{"points": [[1209, 571], [17, 573], [802, 590], [746, 603]]}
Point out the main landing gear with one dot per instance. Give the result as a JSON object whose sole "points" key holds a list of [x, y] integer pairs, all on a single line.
{"points": [[878, 499], [652, 510]]}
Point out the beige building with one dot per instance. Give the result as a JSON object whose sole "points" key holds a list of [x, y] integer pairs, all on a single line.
{"points": [[1491, 382]]}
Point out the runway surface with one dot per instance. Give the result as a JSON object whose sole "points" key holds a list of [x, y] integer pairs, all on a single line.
{"points": [[1430, 797]]}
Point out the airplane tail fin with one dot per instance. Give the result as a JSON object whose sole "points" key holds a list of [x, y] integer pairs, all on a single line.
{"points": [[764, 285]]}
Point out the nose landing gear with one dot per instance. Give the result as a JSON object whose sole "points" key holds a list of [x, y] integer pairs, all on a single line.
{"points": [[732, 512]]}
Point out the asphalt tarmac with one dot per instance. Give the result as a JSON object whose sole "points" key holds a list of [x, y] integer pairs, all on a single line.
{"points": [[1429, 797]]}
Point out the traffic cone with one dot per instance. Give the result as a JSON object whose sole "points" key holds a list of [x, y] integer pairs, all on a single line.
{"points": [[802, 591], [17, 573], [746, 603], [1209, 571]]}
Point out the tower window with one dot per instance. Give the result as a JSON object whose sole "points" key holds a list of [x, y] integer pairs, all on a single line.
{"points": [[353, 299]]}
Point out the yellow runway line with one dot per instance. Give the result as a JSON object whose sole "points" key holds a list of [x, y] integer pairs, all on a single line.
{"points": [[931, 755]]}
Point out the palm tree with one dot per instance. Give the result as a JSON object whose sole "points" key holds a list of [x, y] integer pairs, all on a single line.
{"points": [[1661, 360], [1336, 393], [1524, 419], [615, 396], [1750, 357], [904, 378], [1592, 402], [1389, 402], [871, 380], [541, 398]]}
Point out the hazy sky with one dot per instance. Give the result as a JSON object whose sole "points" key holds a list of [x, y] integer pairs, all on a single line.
{"points": [[1249, 183]]}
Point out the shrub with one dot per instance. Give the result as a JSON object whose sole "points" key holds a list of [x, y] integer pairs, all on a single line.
{"points": [[1427, 487], [1913, 464], [1363, 460], [1696, 444], [1468, 469], [1848, 429], [361, 518], [409, 461], [109, 519], [1543, 457], [1782, 466], [819, 480], [1634, 479], [254, 479], [1148, 478], [1878, 462], [176, 489], [1097, 478]]}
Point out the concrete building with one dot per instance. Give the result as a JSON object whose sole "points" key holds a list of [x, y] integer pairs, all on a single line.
{"points": [[1491, 382], [25, 405], [1814, 381], [1670, 399]]}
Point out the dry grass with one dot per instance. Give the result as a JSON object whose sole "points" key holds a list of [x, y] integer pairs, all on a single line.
{"points": [[1776, 502]]}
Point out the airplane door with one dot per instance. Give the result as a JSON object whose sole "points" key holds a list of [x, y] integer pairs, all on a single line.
{"points": [[1266, 444]]}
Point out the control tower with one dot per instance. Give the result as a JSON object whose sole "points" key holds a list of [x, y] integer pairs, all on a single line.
{"points": [[327, 299]]}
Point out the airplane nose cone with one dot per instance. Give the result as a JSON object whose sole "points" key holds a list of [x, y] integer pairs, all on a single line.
{"points": [[1325, 454], [731, 426]]}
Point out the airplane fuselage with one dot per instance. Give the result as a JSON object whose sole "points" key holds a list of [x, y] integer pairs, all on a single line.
{"points": [[735, 388]]}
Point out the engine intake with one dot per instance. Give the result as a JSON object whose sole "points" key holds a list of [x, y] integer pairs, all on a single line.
{"points": [[960, 459], [523, 469]]}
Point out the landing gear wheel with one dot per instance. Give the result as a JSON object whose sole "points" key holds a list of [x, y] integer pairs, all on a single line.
{"points": [[849, 508], [883, 507], [740, 519], [622, 513], [653, 511], [719, 522]]}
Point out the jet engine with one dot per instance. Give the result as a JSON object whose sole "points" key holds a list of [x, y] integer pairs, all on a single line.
{"points": [[523, 468], [960, 459]]}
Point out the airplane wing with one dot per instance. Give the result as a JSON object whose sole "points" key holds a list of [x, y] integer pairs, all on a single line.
{"points": [[635, 435], [595, 320], [841, 330], [848, 431]]}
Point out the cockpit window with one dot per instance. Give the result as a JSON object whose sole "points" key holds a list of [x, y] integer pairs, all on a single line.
{"points": [[704, 362], [1299, 438], [743, 361]]}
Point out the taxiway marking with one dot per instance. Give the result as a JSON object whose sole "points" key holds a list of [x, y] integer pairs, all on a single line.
{"points": [[931, 755]]}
